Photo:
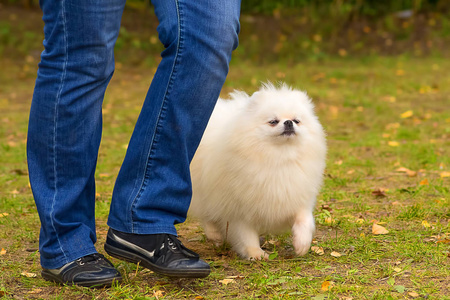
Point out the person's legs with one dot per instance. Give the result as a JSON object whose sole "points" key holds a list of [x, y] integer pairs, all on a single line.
{"points": [[65, 123], [153, 189]]}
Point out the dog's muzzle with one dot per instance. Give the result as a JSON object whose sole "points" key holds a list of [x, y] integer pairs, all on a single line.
{"points": [[288, 128]]}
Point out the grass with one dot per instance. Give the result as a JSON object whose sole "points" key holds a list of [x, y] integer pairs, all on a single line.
{"points": [[364, 105]]}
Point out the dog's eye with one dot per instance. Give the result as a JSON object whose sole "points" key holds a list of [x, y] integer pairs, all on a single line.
{"points": [[274, 122], [296, 121]]}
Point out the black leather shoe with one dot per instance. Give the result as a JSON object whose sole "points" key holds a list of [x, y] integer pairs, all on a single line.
{"points": [[92, 270], [163, 254]]}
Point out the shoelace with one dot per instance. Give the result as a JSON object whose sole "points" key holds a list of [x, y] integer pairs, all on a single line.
{"points": [[89, 258], [175, 244]]}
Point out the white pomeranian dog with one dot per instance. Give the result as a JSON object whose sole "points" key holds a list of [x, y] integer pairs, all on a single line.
{"points": [[258, 169]]}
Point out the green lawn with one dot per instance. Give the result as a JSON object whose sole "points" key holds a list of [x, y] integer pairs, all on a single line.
{"points": [[388, 126]]}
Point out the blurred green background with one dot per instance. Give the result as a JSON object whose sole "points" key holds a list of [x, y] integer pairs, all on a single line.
{"points": [[283, 31]]}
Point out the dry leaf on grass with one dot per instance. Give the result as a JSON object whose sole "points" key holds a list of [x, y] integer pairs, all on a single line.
{"points": [[426, 224], [327, 207], [29, 275], [413, 294], [380, 192], [335, 254], [3, 251], [407, 114], [408, 172], [318, 250], [445, 174], [329, 220], [444, 241], [377, 229], [327, 285], [226, 281], [424, 182], [158, 294]]}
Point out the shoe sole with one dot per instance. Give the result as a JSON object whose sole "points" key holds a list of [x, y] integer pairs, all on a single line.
{"points": [[136, 259], [101, 283]]}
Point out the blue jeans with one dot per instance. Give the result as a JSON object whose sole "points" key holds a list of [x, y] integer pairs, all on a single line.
{"points": [[153, 188]]}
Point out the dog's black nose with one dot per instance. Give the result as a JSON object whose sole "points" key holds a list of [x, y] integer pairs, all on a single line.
{"points": [[288, 124]]}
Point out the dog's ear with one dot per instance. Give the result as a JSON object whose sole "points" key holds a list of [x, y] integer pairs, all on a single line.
{"points": [[252, 101], [255, 94]]}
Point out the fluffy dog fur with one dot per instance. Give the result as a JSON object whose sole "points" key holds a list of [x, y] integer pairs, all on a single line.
{"points": [[259, 169]]}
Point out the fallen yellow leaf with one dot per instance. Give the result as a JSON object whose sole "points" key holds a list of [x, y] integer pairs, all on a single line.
{"points": [[393, 143], [445, 174], [158, 294], [408, 172], [444, 241], [335, 254], [318, 250], [413, 294], [426, 224], [226, 281], [377, 229], [424, 182], [407, 114], [329, 220], [3, 215], [397, 269], [3, 251], [29, 275], [35, 291], [327, 285]]}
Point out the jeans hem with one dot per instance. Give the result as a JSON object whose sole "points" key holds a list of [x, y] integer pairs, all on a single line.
{"points": [[58, 263], [144, 229]]}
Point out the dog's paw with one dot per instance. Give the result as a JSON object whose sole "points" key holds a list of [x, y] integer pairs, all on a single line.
{"points": [[302, 233], [301, 246], [302, 237], [256, 254]]}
